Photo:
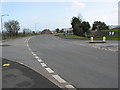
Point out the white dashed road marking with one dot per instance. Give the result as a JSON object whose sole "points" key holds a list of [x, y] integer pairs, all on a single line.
{"points": [[39, 60], [69, 86], [49, 70], [43, 64], [36, 57], [59, 79]]}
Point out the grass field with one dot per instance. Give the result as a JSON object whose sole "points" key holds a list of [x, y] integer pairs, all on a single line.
{"points": [[106, 34], [97, 35], [13, 37], [71, 36]]}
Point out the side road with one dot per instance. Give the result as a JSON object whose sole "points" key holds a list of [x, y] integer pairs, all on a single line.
{"points": [[16, 75]]}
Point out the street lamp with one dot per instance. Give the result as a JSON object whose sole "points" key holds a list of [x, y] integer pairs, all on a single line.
{"points": [[2, 21]]}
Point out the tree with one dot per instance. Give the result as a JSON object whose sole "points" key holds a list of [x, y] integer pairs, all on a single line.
{"points": [[62, 31], [76, 22], [85, 26], [26, 30], [79, 26], [57, 30], [12, 27], [98, 25], [78, 30]]}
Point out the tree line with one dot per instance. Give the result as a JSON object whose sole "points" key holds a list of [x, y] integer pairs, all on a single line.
{"points": [[81, 27], [12, 29]]}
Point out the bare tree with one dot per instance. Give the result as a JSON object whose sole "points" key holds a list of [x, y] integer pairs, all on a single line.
{"points": [[12, 27]]}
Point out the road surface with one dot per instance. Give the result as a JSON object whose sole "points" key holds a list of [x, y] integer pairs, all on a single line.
{"points": [[16, 75], [81, 66]]}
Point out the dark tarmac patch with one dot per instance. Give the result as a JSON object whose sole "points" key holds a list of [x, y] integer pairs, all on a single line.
{"points": [[4, 45], [20, 76]]}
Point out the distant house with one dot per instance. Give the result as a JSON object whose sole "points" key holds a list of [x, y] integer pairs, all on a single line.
{"points": [[46, 31], [67, 29], [114, 27]]}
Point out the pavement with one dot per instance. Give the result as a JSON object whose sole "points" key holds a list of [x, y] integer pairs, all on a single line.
{"points": [[75, 63], [16, 75]]}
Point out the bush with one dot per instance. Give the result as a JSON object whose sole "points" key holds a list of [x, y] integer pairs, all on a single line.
{"points": [[100, 34]]}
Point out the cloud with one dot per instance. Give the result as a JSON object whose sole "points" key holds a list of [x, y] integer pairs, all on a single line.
{"points": [[58, 0], [77, 6], [104, 18]]}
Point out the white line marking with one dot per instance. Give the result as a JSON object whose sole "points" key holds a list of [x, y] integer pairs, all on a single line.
{"points": [[39, 60], [25, 40], [59, 79], [49, 70], [43, 64], [69, 86], [32, 52], [36, 57]]}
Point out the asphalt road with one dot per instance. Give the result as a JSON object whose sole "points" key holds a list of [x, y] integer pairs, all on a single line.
{"points": [[19, 76], [81, 66], [16, 50], [84, 67]]}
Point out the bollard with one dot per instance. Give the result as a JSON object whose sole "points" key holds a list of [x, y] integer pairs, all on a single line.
{"points": [[91, 39], [104, 39]]}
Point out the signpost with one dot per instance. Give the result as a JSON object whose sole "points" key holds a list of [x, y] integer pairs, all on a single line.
{"points": [[111, 33]]}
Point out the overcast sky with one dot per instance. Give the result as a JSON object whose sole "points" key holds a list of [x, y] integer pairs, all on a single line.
{"points": [[54, 14]]}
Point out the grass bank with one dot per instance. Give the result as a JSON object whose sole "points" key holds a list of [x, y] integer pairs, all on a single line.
{"points": [[14, 37], [71, 36], [100, 34], [97, 35]]}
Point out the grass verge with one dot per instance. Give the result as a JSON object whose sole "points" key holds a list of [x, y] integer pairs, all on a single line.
{"points": [[98, 35]]}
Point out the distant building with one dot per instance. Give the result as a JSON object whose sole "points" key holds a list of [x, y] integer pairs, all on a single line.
{"points": [[46, 31], [114, 26], [67, 29]]}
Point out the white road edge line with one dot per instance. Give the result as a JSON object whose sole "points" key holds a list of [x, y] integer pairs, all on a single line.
{"points": [[49, 70], [59, 79], [69, 86], [25, 41]]}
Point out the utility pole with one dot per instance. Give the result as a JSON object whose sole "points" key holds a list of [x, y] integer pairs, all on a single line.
{"points": [[2, 21]]}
